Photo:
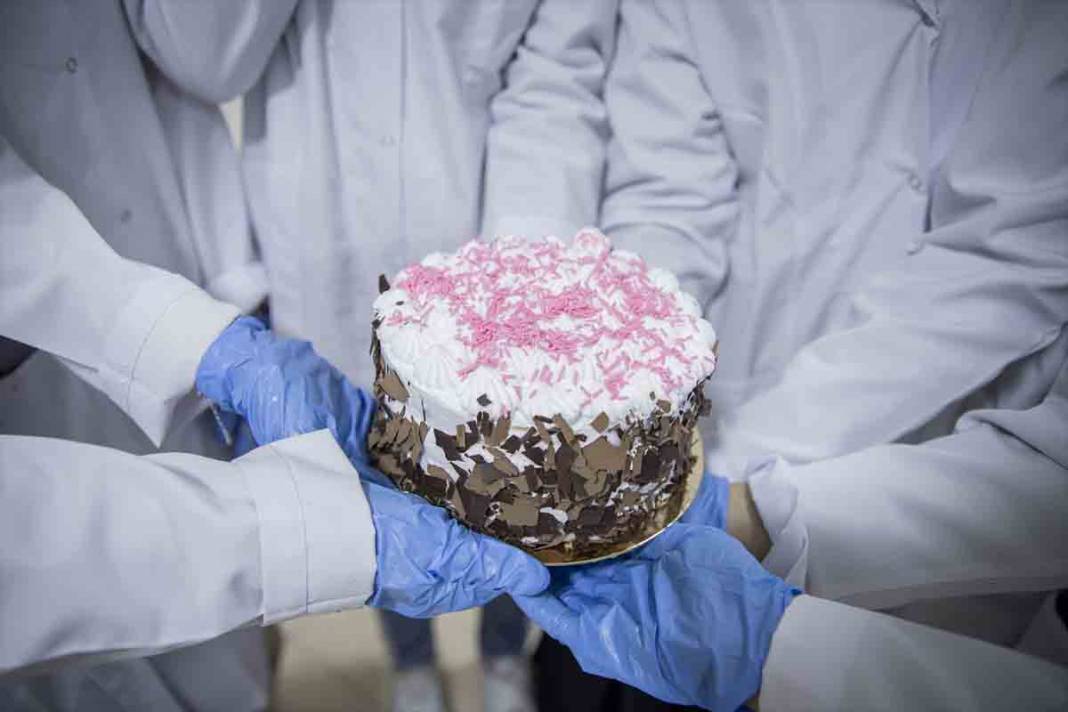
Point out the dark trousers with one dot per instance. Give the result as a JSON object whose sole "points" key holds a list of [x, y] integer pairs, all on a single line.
{"points": [[561, 686], [501, 632]]}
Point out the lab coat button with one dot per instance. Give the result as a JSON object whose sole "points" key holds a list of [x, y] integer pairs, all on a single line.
{"points": [[913, 247], [71, 64], [125, 216], [915, 182]]}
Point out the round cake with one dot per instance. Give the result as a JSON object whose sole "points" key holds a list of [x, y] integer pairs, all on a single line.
{"points": [[545, 393]]}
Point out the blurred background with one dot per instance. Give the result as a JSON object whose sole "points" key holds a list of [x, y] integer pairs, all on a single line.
{"points": [[340, 662]]}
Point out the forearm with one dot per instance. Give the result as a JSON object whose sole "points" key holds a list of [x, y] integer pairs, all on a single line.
{"points": [[133, 331], [829, 656], [671, 181], [172, 549], [546, 146], [744, 522]]}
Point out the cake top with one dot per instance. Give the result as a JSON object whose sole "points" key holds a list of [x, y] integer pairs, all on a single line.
{"points": [[545, 328]]}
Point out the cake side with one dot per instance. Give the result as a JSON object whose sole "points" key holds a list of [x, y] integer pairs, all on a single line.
{"points": [[543, 393], [544, 485]]}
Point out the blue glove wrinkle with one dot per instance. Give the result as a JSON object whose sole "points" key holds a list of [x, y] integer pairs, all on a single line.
{"points": [[282, 387], [710, 505], [688, 618], [430, 564]]}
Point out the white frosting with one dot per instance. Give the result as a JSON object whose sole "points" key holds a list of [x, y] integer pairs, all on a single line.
{"points": [[542, 328]]}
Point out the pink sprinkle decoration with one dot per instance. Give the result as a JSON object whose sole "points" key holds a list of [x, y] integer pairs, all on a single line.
{"points": [[562, 300]]}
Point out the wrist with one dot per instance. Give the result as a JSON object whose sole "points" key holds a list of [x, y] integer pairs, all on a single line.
{"points": [[744, 522]]}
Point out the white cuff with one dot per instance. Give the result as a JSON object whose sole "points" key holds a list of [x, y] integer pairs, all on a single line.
{"points": [[778, 502], [155, 347], [317, 538], [245, 287], [532, 226]]}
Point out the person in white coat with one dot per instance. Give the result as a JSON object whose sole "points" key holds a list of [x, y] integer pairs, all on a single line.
{"points": [[285, 531], [872, 201], [153, 173], [151, 170], [368, 128], [171, 549]]}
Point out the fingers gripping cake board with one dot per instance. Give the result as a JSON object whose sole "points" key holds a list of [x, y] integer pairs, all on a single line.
{"points": [[545, 393]]}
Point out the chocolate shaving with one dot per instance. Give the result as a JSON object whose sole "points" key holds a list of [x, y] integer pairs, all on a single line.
{"points": [[590, 516], [500, 430], [447, 443], [565, 455], [383, 284], [393, 387], [565, 429], [600, 423], [522, 512], [435, 471], [603, 455], [650, 466], [433, 487], [511, 445], [502, 463], [483, 400]]}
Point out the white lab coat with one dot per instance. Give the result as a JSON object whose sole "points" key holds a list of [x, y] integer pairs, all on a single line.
{"points": [[105, 554], [829, 656], [152, 172], [881, 249], [365, 140]]}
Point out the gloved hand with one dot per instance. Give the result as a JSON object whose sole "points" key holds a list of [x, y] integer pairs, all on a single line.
{"points": [[283, 388], [710, 506], [428, 563], [688, 618]]}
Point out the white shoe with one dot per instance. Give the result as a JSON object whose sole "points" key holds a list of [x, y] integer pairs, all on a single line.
{"points": [[506, 685], [418, 690]]}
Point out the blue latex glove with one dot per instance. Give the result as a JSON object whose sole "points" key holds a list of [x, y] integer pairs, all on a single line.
{"points": [[281, 387], [428, 563], [710, 506], [688, 618]]}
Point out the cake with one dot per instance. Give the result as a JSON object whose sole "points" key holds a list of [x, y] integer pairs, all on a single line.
{"points": [[545, 393]]}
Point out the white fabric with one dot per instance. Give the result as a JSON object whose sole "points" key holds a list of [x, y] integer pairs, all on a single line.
{"points": [[171, 549], [828, 656], [900, 257], [131, 330], [152, 173], [545, 149], [365, 140], [978, 512]]}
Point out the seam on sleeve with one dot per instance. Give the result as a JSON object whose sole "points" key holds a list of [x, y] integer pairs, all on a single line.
{"points": [[144, 342], [303, 521]]}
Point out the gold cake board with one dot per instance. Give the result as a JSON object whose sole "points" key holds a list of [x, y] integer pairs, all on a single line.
{"points": [[559, 556]]}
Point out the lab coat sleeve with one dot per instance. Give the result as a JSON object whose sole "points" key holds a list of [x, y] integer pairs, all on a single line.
{"points": [[828, 656], [670, 186], [980, 511], [988, 289], [546, 145], [133, 331], [104, 553], [214, 50]]}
